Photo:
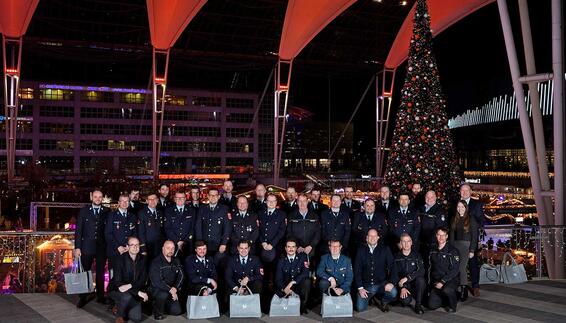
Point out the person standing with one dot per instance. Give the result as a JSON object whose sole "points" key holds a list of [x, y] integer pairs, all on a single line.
{"points": [[180, 225], [213, 226], [164, 201], [403, 219], [120, 225], [244, 226], [150, 228], [272, 227], [475, 209], [259, 203], [227, 197], [464, 236], [304, 227], [90, 244], [335, 224]]}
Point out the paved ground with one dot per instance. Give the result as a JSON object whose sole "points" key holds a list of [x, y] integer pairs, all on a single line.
{"points": [[542, 301]]}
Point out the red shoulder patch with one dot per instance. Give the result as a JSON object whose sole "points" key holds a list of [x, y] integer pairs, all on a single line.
{"points": [[229, 216], [306, 263]]}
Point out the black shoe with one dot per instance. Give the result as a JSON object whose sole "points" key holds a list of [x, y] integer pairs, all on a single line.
{"points": [[419, 309], [103, 300], [450, 310], [384, 308], [304, 311], [158, 317], [464, 293], [82, 302]]}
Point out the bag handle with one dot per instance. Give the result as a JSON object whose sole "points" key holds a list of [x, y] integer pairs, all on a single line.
{"points": [[246, 286], [507, 254], [203, 288], [77, 266]]}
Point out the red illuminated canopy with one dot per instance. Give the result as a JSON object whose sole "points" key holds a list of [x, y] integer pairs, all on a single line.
{"points": [[168, 19], [15, 16], [304, 19], [443, 14]]}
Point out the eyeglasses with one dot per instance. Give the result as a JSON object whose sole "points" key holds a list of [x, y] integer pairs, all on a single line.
{"points": [[133, 245]]}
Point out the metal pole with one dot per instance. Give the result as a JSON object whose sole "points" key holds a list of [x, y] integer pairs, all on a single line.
{"points": [[558, 124], [12, 54], [521, 105], [535, 109]]}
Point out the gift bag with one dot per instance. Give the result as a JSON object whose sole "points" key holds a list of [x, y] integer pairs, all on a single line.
{"points": [[490, 274], [202, 307], [512, 274], [286, 306], [245, 305], [337, 306], [78, 281]]}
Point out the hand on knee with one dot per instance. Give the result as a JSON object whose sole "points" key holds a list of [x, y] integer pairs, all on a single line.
{"points": [[389, 287]]}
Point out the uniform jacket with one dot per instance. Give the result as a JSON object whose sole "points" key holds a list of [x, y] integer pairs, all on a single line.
{"points": [[444, 264], [150, 229], [89, 233], [199, 273], [179, 227], [235, 271], [409, 223], [336, 226], [272, 227], [287, 271], [373, 268], [244, 228], [341, 270], [213, 226], [305, 230], [430, 221], [118, 229], [410, 267], [164, 274], [361, 226]]}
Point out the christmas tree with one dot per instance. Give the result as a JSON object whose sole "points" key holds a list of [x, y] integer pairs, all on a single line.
{"points": [[422, 148]]}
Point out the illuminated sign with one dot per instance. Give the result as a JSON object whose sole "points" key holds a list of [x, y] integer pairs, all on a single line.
{"points": [[473, 180], [194, 176], [92, 88]]}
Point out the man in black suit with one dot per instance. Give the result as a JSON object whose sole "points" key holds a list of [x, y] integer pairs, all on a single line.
{"points": [[433, 216], [227, 197], [135, 204], [403, 219], [417, 196], [475, 209], [259, 203], [164, 201], [213, 226], [352, 205], [290, 204], [150, 228], [385, 202], [90, 244], [195, 198], [201, 271], [244, 270], [180, 225], [370, 218], [120, 225], [315, 204]]}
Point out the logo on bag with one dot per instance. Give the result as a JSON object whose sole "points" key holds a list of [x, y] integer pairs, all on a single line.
{"points": [[203, 307], [244, 306]]}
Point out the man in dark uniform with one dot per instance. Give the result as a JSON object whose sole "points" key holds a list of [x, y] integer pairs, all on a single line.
{"points": [[335, 271], [475, 209], [129, 283], [417, 197], [292, 275], [213, 226], [315, 204], [180, 225], [403, 219], [150, 228], [272, 226], [443, 273], [90, 244], [164, 201], [432, 217], [244, 270], [290, 204], [195, 198], [120, 225], [201, 271], [365, 220], [244, 226], [135, 204], [409, 274], [227, 197], [372, 271], [304, 227], [259, 203], [335, 224], [166, 276], [385, 202], [352, 205]]}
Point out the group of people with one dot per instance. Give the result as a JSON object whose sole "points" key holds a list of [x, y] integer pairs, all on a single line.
{"points": [[379, 251]]}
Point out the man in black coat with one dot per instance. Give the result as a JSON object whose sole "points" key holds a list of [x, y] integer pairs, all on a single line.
{"points": [[227, 198], [348, 202], [90, 244], [403, 219], [444, 271], [201, 271], [365, 220], [475, 209], [244, 226], [128, 286], [166, 276], [290, 204], [335, 223], [417, 196], [385, 202], [164, 200], [304, 227], [315, 204], [433, 216], [150, 228], [272, 227], [213, 226], [259, 203], [135, 204], [292, 275], [180, 225], [408, 274], [195, 201], [244, 270], [120, 225]]}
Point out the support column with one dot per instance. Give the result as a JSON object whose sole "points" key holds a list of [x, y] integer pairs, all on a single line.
{"points": [[383, 93], [282, 85], [12, 55], [160, 67]]}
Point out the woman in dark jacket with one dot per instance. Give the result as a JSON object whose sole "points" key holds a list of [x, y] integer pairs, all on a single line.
{"points": [[464, 236]]}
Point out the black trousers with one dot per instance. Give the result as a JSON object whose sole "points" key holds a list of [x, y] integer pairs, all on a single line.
{"points": [[446, 296], [303, 290], [128, 306], [100, 258], [417, 288], [474, 264], [164, 304]]}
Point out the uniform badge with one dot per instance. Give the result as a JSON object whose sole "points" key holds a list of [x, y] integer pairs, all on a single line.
{"points": [[219, 221], [457, 258], [249, 229]]}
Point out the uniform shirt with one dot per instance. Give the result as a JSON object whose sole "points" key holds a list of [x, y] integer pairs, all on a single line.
{"points": [[373, 267], [288, 270], [410, 267], [361, 226], [335, 225], [150, 228], [400, 223], [244, 226], [179, 223], [272, 226], [339, 269], [120, 225], [89, 233], [443, 264], [200, 270], [213, 226], [236, 271]]}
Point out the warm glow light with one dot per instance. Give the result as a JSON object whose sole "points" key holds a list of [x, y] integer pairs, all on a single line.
{"points": [[11, 70], [194, 176]]}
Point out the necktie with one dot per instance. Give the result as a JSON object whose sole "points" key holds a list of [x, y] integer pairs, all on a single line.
{"points": [[153, 214], [385, 205], [315, 207], [335, 214], [124, 214], [212, 208], [369, 218], [269, 213], [243, 261], [349, 204], [291, 260], [336, 261], [96, 211], [404, 212], [180, 210]]}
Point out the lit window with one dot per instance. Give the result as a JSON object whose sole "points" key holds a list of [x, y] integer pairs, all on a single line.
{"points": [[26, 93]]}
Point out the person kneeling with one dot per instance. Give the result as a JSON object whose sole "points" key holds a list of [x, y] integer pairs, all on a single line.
{"points": [[373, 262], [166, 275], [292, 275], [244, 271], [444, 273], [128, 284], [201, 271], [408, 274], [335, 271]]}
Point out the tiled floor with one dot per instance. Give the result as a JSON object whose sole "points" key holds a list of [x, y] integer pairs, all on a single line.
{"points": [[535, 301]]}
